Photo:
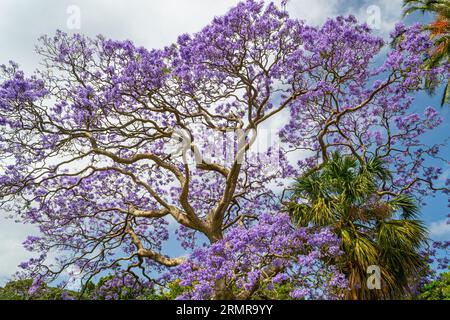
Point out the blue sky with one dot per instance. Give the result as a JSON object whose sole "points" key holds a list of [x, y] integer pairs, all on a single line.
{"points": [[157, 23]]}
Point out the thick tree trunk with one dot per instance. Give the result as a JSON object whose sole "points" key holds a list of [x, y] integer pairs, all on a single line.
{"points": [[221, 291]]}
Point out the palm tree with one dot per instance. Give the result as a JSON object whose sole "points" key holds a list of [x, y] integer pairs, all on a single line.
{"points": [[440, 33], [344, 196]]}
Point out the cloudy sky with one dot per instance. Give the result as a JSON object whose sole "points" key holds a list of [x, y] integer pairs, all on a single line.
{"points": [[157, 23]]}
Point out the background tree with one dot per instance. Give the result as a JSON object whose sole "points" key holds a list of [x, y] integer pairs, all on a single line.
{"points": [[375, 228], [114, 287], [85, 139], [439, 31], [20, 290], [16, 290], [438, 289]]}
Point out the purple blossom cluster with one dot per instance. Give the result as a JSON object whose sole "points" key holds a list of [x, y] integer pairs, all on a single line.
{"points": [[269, 253], [442, 259], [120, 287]]}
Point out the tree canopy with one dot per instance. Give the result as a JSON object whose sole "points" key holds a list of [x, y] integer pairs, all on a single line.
{"points": [[104, 147]]}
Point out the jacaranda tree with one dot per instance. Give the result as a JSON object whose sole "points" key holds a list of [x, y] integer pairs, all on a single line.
{"points": [[85, 139]]}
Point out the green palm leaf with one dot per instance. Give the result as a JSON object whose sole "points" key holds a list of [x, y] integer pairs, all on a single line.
{"points": [[343, 194]]}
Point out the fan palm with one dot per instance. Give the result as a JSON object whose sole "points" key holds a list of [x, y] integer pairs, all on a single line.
{"points": [[440, 33], [343, 195]]}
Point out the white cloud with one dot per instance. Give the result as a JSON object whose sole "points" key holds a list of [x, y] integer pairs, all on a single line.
{"points": [[439, 230], [313, 12], [11, 250], [385, 13], [381, 15], [149, 23]]}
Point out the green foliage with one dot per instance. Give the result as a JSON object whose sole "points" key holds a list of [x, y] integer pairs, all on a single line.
{"points": [[439, 31], [376, 228], [174, 289], [438, 289], [18, 290]]}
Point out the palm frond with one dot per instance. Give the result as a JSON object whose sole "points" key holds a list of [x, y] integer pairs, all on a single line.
{"points": [[401, 234], [406, 204], [343, 194], [446, 95]]}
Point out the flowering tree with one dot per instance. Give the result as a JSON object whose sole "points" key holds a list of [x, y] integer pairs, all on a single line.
{"points": [[272, 253], [84, 140]]}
